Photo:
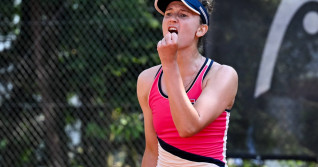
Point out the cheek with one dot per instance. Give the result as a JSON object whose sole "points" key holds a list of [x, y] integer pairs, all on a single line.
{"points": [[164, 27], [190, 27], [188, 32]]}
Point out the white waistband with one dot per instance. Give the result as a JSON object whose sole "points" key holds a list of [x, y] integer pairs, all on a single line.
{"points": [[166, 159]]}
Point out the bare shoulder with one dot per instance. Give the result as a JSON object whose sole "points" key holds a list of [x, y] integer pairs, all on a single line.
{"points": [[222, 82], [148, 75], [145, 80], [222, 73]]}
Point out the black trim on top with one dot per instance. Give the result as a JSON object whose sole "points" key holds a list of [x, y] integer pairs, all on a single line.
{"points": [[207, 70], [159, 86], [189, 156], [196, 77], [158, 71], [228, 110]]}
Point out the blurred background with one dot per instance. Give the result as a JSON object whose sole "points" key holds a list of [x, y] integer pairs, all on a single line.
{"points": [[68, 72]]}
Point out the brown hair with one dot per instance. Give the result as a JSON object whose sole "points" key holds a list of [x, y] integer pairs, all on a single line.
{"points": [[208, 4]]}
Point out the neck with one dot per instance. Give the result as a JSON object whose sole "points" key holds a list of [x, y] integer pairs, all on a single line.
{"points": [[189, 60]]}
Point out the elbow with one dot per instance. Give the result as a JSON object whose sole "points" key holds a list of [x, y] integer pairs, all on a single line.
{"points": [[187, 132]]}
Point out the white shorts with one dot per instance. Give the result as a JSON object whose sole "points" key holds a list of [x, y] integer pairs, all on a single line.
{"points": [[166, 159]]}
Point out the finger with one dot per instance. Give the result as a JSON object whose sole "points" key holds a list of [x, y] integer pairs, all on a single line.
{"points": [[163, 42], [174, 38], [159, 44], [168, 38]]}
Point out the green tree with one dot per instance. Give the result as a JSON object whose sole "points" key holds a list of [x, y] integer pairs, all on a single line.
{"points": [[104, 46], [93, 50]]}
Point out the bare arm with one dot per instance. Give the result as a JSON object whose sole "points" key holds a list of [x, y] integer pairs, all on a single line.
{"points": [[144, 83], [217, 95]]}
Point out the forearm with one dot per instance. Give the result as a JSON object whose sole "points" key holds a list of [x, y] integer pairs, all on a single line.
{"points": [[184, 115], [149, 159]]}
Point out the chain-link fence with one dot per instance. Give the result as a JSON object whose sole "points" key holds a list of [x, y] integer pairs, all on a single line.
{"points": [[68, 80], [68, 71]]}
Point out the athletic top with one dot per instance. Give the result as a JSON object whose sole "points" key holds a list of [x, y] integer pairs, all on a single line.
{"points": [[209, 145]]}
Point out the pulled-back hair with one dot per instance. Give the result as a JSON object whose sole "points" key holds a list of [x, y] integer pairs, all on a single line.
{"points": [[208, 4]]}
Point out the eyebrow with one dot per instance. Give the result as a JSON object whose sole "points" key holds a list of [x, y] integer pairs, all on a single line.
{"points": [[183, 10]]}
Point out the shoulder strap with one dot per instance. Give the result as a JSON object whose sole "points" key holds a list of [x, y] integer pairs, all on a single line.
{"points": [[209, 64], [158, 71]]}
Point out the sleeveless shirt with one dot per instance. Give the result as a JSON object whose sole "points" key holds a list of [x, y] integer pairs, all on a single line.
{"points": [[208, 145]]}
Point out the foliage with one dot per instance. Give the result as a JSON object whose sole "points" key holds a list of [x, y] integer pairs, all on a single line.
{"points": [[73, 61], [101, 47], [126, 127]]}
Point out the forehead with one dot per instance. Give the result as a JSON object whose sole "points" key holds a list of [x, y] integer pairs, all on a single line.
{"points": [[177, 5]]}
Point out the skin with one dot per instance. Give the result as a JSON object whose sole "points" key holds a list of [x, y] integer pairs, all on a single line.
{"points": [[181, 60]]}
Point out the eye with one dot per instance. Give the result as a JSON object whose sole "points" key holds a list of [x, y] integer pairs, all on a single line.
{"points": [[183, 15], [168, 14]]}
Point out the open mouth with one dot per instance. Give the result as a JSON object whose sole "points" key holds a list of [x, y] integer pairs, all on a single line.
{"points": [[173, 30]]}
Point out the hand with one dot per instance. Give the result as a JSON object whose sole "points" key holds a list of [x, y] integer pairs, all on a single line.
{"points": [[167, 48]]}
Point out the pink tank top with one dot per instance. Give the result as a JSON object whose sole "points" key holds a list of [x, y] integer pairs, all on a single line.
{"points": [[209, 144]]}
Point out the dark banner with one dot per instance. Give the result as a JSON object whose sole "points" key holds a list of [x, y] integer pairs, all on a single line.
{"points": [[273, 45]]}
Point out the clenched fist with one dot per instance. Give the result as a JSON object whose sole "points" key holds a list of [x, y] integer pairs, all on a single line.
{"points": [[167, 48]]}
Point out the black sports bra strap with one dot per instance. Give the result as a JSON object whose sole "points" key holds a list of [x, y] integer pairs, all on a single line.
{"points": [[158, 71]]}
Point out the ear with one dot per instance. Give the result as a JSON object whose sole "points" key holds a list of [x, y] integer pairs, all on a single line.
{"points": [[202, 30]]}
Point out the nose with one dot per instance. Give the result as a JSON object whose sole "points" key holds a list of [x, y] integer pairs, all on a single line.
{"points": [[173, 18]]}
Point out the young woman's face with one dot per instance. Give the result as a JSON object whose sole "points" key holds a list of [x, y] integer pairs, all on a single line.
{"points": [[181, 20]]}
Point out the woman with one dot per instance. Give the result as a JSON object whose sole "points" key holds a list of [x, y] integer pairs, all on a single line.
{"points": [[185, 100]]}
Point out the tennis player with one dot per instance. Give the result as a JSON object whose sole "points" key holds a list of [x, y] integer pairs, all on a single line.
{"points": [[186, 100]]}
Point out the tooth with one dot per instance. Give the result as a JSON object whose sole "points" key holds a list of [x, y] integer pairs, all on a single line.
{"points": [[173, 30]]}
